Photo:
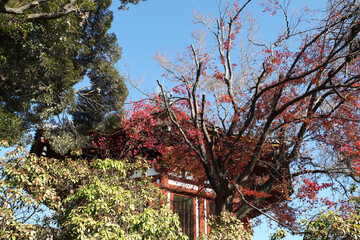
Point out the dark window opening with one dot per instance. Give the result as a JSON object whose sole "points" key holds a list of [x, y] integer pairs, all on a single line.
{"points": [[211, 209], [183, 206]]}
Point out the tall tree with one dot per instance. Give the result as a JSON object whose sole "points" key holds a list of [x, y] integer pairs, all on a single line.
{"points": [[254, 124], [46, 48]]}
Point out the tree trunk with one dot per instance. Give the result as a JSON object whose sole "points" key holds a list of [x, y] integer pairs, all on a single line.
{"points": [[223, 202]]}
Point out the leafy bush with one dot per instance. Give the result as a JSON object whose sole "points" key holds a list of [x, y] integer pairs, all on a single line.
{"points": [[333, 225], [89, 200], [227, 227]]}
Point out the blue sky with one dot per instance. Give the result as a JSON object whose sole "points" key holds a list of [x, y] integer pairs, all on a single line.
{"points": [[161, 26], [166, 26]]}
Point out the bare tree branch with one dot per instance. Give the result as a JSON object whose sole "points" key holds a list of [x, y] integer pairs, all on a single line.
{"points": [[62, 11]]}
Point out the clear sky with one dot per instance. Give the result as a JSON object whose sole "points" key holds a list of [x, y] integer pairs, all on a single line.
{"points": [[166, 26]]}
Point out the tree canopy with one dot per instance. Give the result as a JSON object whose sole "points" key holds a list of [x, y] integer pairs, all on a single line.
{"points": [[46, 48]]}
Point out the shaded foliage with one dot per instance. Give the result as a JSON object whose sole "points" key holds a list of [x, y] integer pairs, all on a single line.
{"points": [[46, 48]]}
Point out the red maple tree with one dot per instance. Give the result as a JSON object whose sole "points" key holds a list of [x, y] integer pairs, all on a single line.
{"points": [[253, 128]]}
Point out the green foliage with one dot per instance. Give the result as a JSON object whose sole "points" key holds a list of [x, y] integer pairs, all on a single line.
{"points": [[333, 225], [227, 227], [124, 2], [330, 225], [279, 234], [10, 226], [10, 126], [15, 205], [41, 61], [96, 103], [90, 200]]}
